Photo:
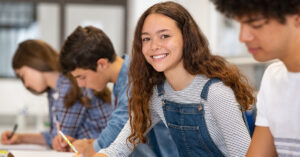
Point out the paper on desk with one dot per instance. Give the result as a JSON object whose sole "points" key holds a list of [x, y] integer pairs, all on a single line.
{"points": [[44, 153], [22, 147]]}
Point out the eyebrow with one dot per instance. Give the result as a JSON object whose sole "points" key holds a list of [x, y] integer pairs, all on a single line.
{"points": [[18, 74], [250, 20], [160, 31], [77, 76]]}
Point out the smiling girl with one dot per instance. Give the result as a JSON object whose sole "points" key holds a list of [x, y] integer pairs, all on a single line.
{"points": [[175, 78]]}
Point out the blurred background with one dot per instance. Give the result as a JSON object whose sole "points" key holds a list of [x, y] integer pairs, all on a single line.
{"points": [[53, 20]]}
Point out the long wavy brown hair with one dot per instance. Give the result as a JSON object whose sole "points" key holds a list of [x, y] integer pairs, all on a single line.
{"points": [[197, 59], [40, 56]]}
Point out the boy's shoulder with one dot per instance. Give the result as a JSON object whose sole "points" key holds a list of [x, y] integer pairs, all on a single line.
{"points": [[275, 68]]}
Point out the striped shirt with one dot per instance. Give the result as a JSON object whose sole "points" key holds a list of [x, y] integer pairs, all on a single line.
{"points": [[222, 115], [77, 121]]}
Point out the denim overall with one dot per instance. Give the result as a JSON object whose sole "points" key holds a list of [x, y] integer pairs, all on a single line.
{"points": [[159, 144], [187, 126]]}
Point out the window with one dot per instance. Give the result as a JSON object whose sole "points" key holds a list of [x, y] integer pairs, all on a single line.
{"points": [[17, 22]]}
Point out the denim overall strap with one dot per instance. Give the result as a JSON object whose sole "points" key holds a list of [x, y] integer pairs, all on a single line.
{"points": [[160, 89], [248, 116], [249, 119], [188, 129], [205, 89]]}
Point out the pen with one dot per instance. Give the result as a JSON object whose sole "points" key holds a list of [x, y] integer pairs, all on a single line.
{"points": [[13, 132], [70, 144]]}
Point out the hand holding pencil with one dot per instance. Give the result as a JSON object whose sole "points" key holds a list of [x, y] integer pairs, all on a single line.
{"points": [[58, 143], [10, 137], [69, 143]]}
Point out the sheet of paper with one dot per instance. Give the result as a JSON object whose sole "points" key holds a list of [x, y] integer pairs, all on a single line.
{"points": [[45, 153], [22, 147]]}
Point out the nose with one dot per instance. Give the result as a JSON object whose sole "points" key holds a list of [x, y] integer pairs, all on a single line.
{"points": [[80, 83], [25, 83], [245, 34], [154, 45]]}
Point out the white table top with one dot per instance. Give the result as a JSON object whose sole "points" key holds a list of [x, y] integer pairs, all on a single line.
{"points": [[41, 153], [31, 150]]}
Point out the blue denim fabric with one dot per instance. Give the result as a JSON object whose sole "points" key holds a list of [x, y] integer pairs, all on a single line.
{"points": [[77, 121], [161, 142], [188, 129], [143, 150], [120, 115]]}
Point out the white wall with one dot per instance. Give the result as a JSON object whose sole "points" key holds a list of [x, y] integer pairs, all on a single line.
{"points": [[48, 23], [17, 103], [108, 18], [13, 93]]}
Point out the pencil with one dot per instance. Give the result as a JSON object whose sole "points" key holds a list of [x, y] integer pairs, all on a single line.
{"points": [[57, 124], [13, 132], [70, 144]]}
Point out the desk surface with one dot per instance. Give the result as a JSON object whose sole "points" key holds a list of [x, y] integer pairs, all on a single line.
{"points": [[22, 147], [31, 150], [44, 153]]}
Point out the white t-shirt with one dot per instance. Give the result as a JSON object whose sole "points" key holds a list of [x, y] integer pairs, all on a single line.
{"points": [[278, 107]]}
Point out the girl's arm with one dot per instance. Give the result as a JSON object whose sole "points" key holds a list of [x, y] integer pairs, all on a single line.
{"points": [[33, 138], [226, 111], [120, 147]]}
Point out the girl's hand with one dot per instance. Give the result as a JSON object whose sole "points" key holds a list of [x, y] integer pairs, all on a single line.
{"points": [[85, 146], [15, 139], [60, 145]]}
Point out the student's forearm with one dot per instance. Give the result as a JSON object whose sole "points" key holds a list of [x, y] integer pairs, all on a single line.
{"points": [[119, 147], [262, 143], [117, 121], [32, 139]]}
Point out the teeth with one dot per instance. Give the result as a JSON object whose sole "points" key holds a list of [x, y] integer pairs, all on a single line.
{"points": [[159, 56]]}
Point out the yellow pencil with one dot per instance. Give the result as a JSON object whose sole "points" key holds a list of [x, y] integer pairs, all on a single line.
{"points": [[70, 144]]}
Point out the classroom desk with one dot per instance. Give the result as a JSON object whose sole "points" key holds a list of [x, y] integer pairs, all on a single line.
{"points": [[31, 150], [23, 147], [42, 153]]}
